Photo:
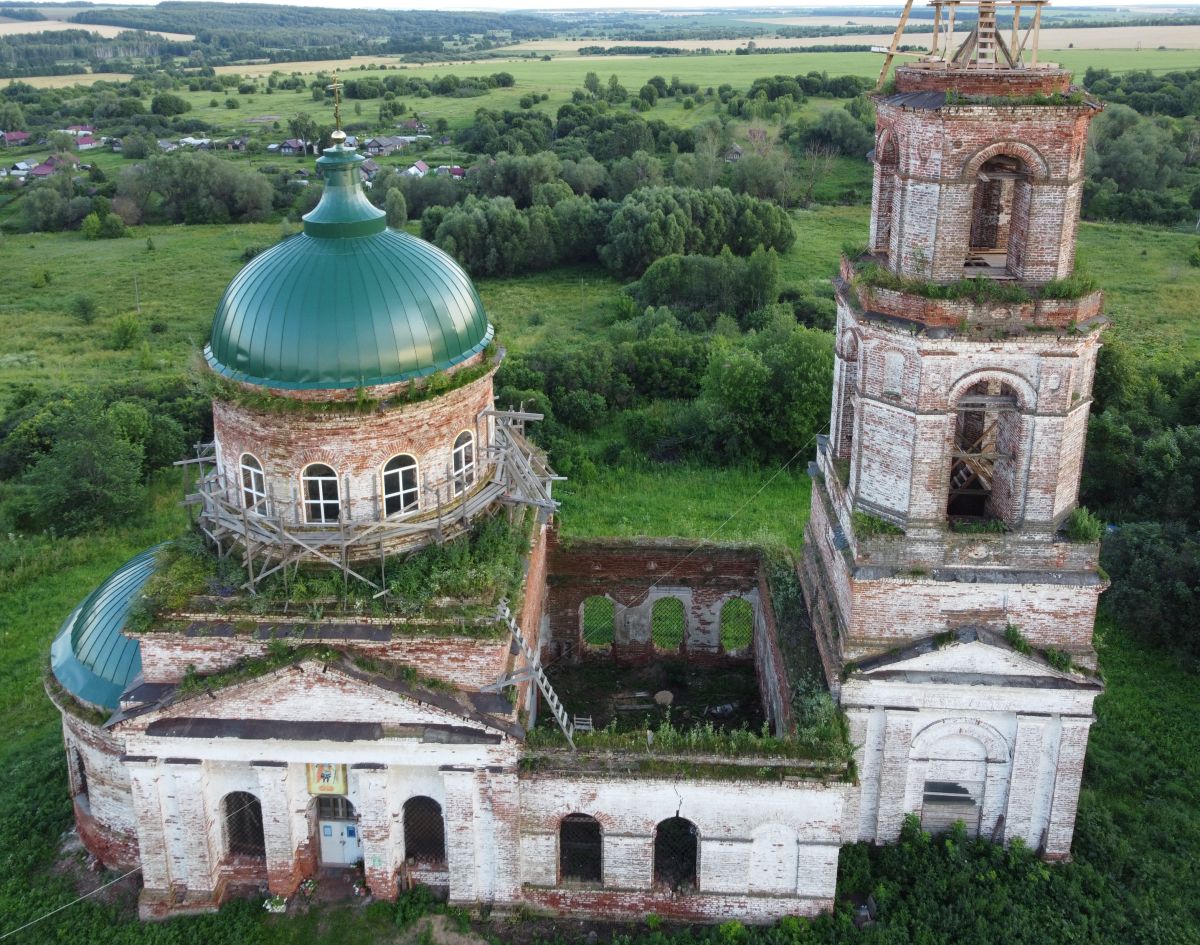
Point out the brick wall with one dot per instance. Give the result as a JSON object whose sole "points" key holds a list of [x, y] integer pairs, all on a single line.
{"points": [[355, 445], [978, 82], [99, 784]]}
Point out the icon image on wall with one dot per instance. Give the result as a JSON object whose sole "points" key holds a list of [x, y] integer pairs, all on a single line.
{"points": [[326, 779], [327, 831], [351, 832]]}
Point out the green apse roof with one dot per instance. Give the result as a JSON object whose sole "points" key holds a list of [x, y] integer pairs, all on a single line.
{"points": [[348, 302], [91, 658]]}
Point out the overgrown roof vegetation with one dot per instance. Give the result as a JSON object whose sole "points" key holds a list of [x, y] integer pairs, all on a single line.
{"points": [[442, 589], [978, 289]]}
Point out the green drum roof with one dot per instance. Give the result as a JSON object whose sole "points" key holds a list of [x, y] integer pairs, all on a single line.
{"points": [[91, 658], [348, 302]]}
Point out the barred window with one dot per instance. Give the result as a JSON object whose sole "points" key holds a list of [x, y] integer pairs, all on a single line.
{"points": [[244, 825], [424, 831], [321, 503], [400, 491], [675, 854], [580, 849]]}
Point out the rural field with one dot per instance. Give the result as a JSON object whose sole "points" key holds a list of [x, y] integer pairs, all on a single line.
{"points": [[21, 27]]}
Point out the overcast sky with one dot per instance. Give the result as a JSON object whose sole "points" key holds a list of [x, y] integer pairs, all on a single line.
{"points": [[674, 6]]}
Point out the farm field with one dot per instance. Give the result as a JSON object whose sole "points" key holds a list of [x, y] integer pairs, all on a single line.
{"points": [[564, 73], [1103, 37], [20, 27]]}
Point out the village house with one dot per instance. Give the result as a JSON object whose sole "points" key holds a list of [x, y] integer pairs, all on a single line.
{"points": [[14, 138], [288, 689]]}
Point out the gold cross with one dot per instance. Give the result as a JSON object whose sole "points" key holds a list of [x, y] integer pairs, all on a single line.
{"points": [[336, 88]]}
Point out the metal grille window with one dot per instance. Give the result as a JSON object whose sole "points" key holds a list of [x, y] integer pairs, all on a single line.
{"points": [[424, 832], [463, 461], [334, 808], [254, 484], [321, 503], [599, 616], [737, 625], [667, 623], [676, 844], [400, 491], [580, 849], [244, 825]]}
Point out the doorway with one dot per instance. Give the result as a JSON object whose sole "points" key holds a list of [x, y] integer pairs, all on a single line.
{"points": [[340, 840]]}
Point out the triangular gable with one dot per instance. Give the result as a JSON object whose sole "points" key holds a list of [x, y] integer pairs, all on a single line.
{"points": [[311, 691], [974, 657]]}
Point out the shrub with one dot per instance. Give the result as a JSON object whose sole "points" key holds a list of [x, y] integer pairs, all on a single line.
{"points": [[83, 307], [1083, 526], [126, 331]]}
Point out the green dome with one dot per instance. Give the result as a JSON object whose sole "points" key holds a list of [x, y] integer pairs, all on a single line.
{"points": [[348, 302], [91, 658]]}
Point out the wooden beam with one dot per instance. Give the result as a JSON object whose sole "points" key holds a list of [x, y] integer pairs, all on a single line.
{"points": [[887, 62]]}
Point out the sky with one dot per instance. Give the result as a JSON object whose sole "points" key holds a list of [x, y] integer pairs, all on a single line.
{"points": [[675, 6]]}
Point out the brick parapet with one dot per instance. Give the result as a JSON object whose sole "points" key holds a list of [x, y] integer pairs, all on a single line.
{"points": [[998, 82]]}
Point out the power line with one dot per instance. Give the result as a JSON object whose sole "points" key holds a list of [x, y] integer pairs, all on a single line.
{"points": [[42, 918]]}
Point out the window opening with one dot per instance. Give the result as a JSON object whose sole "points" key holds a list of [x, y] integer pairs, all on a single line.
{"points": [[580, 849], [946, 803], [999, 217], [667, 623], [254, 484], [463, 463], [400, 490], [675, 852], [599, 621], [321, 503], [334, 808], [737, 625], [81, 784], [424, 832], [986, 428], [244, 825]]}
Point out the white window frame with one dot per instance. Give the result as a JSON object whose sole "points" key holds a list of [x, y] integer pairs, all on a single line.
{"points": [[328, 494], [254, 491], [408, 496], [462, 461]]}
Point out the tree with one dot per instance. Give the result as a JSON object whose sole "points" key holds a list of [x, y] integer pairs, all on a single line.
{"points": [[628, 174], [167, 104], [304, 128], [397, 209], [91, 475], [44, 209], [1133, 151], [591, 82], [616, 91], [12, 118]]}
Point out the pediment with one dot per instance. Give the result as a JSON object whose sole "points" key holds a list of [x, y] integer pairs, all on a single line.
{"points": [[974, 657], [308, 695]]}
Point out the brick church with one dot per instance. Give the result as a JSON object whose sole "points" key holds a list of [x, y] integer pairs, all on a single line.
{"points": [[372, 655]]}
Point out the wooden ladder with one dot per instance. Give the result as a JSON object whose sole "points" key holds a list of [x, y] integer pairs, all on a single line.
{"points": [[539, 675]]}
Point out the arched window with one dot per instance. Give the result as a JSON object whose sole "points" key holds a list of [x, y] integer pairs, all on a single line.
{"points": [[463, 461], [599, 617], [737, 625], [400, 490], [254, 484], [580, 856], [243, 825], [321, 494], [424, 832], [667, 623], [676, 845]]}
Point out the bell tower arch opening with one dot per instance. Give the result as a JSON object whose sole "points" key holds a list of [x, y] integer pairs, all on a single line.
{"points": [[999, 218], [984, 454]]}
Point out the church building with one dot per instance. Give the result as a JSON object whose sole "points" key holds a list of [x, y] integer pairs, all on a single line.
{"points": [[373, 654]]}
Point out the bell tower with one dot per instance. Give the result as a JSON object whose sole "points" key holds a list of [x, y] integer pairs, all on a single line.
{"points": [[951, 589]]}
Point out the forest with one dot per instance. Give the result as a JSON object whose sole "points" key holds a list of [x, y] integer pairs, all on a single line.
{"points": [[668, 310]]}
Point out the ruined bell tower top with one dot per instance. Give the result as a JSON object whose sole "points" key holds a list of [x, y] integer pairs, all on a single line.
{"points": [[997, 56]]}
